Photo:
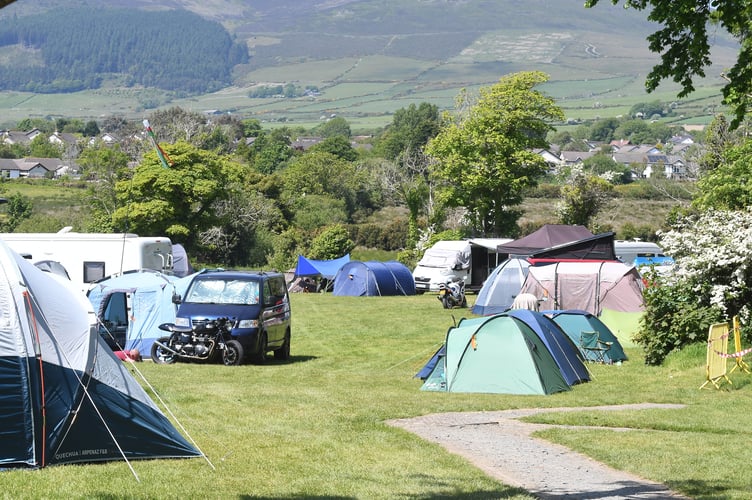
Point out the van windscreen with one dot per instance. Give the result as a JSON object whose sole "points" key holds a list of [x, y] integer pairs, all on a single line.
{"points": [[219, 291]]}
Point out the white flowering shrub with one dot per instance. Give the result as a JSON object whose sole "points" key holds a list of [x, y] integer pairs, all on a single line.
{"points": [[711, 282], [713, 252]]}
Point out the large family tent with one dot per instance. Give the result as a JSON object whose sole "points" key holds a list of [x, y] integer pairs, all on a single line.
{"points": [[598, 247], [596, 287], [495, 354], [549, 235], [131, 306], [501, 287], [574, 322], [372, 278], [65, 396]]}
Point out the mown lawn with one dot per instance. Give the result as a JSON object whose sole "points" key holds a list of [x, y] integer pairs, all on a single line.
{"points": [[314, 427]]}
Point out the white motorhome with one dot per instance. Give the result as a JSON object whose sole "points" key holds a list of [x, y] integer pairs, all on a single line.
{"points": [[628, 251], [468, 260], [88, 257]]}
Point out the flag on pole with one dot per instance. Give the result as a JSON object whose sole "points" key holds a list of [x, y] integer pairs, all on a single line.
{"points": [[163, 157]]}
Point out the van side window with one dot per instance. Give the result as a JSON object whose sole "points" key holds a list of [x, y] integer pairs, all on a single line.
{"points": [[268, 293], [279, 289]]}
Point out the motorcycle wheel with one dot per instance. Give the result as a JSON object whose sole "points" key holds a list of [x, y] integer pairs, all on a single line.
{"points": [[232, 355], [464, 302], [162, 356], [446, 302]]}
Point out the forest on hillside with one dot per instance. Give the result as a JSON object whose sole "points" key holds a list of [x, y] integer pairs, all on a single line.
{"points": [[68, 50]]}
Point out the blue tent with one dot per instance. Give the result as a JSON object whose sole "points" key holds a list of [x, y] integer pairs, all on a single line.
{"points": [[573, 322], [131, 306], [373, 278], [565, 352], [324, 268], [501, 287], [65, 397]]}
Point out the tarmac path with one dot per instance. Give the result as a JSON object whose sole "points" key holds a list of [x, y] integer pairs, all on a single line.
{"points": [[503, 447]]}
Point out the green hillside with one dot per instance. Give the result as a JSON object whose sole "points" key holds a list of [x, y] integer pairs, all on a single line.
{"points": [[369, 58]]}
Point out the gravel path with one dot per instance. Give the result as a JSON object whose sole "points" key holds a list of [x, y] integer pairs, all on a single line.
{"points": [[502, 446]]}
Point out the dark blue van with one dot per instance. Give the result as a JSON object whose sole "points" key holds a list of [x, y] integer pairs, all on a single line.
{"points": [[256, 302]]}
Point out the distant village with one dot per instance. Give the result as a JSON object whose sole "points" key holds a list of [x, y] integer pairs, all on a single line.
{"points": [[668, 160]]}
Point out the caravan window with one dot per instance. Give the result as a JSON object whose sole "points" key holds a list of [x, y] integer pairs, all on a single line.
{"points": [[93, 271]]}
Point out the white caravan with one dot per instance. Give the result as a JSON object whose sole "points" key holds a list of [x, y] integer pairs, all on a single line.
{"points": [[468, 260], [88, 257]]}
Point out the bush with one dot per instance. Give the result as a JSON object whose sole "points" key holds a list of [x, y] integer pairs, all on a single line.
{"points": [[389, 237], [673, 319]]}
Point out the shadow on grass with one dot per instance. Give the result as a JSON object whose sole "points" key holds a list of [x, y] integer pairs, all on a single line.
{"points": [[499, 493], [705, 490], [271, 361]]}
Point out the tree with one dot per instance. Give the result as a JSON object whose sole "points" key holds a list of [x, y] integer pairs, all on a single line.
{"points": [[683, 41], [729, 185], [647, 109], [718, 138], [485, 155], [270, 151], [603, 130], [321, 173], [410, 130], [337, 145], [582, 197], [603, 165], [19, 207], [334, 127], [176, 201], [332, 243], [103, 166], [40, 147]]}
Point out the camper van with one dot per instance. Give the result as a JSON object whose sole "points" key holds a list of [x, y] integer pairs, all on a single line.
{"points": [[87, 257], [640, 253], [468, 260]]}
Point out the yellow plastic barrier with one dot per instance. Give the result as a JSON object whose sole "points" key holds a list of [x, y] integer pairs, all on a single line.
{"points": [[740, 363], [715, 368]]}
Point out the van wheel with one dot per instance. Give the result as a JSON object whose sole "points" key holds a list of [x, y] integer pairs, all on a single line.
{"points": [[160, 355], [232, 355], [283, 352], [260, 357]]}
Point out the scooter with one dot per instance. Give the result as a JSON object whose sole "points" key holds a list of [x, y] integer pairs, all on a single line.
{"points": [[452, 294], [203, 342]]}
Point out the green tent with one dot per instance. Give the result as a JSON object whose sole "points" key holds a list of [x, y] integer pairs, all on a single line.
{"points": [[498, 354]]}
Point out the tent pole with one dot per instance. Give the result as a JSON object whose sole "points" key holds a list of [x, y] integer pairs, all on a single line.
{"points": [[168, 410]]}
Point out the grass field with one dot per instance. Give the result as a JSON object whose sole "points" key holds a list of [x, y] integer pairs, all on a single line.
{"points": [[314, 427]]}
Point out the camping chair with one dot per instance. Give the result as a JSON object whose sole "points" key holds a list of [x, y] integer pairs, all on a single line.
{"points": [[593, 348]]}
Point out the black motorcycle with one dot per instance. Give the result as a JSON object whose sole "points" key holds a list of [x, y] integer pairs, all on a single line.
{"points": [[452, 294], [204, 342]]}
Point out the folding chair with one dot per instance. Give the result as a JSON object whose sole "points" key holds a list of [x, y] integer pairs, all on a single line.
{"points": [[593, 348]]}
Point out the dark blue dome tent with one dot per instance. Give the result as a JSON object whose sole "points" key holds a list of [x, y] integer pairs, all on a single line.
{"points": [[373, 278]]}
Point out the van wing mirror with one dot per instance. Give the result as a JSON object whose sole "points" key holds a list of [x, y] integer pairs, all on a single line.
{"points": [[176, 298]]}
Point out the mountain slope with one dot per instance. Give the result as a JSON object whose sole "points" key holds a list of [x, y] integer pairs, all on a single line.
{"points": [[371, 57]]}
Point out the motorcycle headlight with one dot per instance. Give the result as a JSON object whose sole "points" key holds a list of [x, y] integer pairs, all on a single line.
{"points": [[182, 322], [248, 323]]}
